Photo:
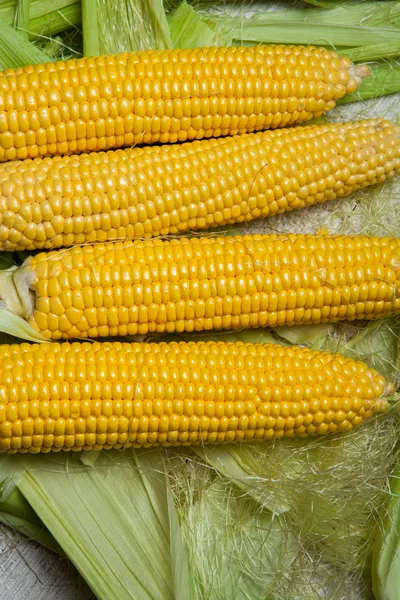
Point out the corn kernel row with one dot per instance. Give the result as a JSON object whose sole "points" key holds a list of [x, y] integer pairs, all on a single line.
{"points": [[128, 288], [93, 396], [165, 96], [146, 192]]}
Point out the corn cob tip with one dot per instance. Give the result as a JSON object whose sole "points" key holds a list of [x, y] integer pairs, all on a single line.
{"points": [[389, 389], [360, 72], [383, 389], [356, 74]]}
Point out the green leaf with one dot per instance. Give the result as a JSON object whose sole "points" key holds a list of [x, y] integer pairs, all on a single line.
{"points": [[90, 28], [111, 519], [187, 28], [132, 25], [386, 553], [15, 51]]}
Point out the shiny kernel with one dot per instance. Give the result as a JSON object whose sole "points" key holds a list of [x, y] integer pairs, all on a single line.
{"points": [[65, 422]]}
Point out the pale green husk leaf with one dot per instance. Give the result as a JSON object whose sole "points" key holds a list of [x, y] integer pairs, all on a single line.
{"points": [[111, 519], [12, 324], [15, 51], [386, 557], [128, 25]]}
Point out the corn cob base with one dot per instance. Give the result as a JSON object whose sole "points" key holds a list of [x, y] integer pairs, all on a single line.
{"points": [[116, 395]]}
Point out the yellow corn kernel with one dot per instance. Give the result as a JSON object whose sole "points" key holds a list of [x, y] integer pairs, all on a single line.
{"points": [[160, 190], [126, 288], [210, 392], [165, 96], [204, 283]]}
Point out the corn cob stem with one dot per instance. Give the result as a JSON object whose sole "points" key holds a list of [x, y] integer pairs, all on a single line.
{"points": [[165, 96], [94, 396], [146, 192], [128, 288]]}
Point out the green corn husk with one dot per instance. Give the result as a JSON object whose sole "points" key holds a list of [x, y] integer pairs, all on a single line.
{"points": [[38, 21], [112, 519], [339, 27], [90, 28], [37, 8], [15, 51], [372, 52], [58, 21], [44, 17], [386, 557], [12, 324], [363, 24], [124, 25], [329, 3], [15, 512], [22, 18], [188, 30]]}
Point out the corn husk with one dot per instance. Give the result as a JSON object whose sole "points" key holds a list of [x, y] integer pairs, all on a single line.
{"points": [[386, 556]]}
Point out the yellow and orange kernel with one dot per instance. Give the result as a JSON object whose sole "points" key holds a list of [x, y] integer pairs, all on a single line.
{"points": [[159, 190], [92, 396], [129, 288], [98, 103]]}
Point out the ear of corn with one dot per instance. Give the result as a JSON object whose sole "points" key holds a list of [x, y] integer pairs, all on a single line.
{"points": [[153, 191], [94, 396], [128, 288], [165, 96]]}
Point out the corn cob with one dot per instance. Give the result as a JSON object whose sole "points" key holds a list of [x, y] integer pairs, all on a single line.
{"points": [[115, 395], [165, 96], [128, 288], [52, 202]]}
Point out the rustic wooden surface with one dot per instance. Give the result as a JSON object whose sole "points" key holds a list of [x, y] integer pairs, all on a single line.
{"points": [[30, 572]]}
